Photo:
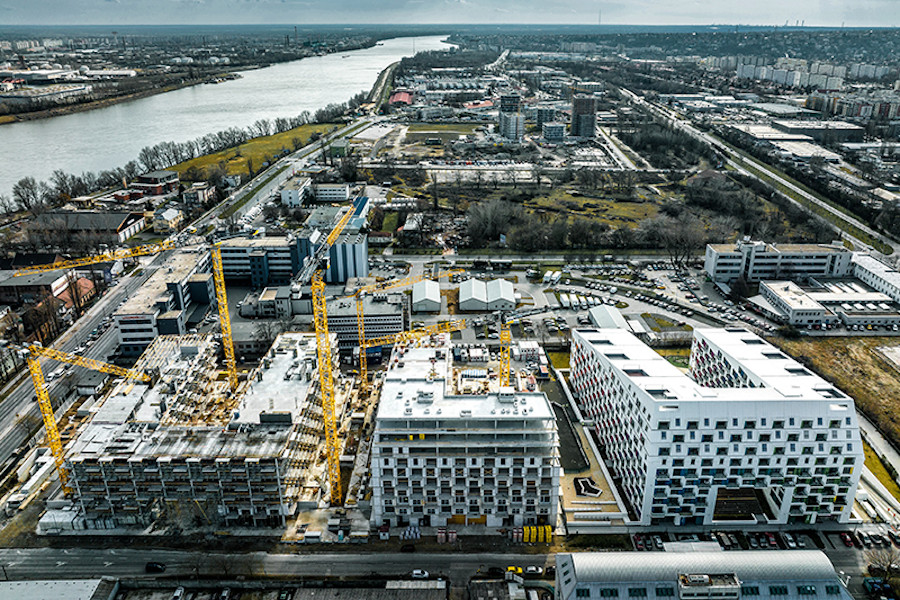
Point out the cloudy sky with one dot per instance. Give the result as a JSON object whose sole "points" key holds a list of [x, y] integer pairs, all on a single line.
{"points": [[662, 12]]}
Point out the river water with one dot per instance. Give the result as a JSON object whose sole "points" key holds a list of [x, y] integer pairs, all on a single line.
{"points": [[109, 137]]}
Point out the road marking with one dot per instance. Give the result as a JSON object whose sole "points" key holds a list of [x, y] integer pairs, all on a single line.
{"points": [[60, 563], [107, 564]]}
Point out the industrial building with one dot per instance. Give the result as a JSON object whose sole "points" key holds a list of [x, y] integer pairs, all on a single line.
{"points": [[750, 436], [756, 261], [102, 227], [426, 296], [700, 575], [475, 295], [877, 275], [185, 444], [442, 457], [169, 301], [348, 257], [826, 302]]}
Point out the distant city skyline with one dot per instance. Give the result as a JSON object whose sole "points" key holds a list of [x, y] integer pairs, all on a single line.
{"points": [[828, 13]]}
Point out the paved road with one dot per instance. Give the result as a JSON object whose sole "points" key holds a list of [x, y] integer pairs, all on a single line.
{"points": [[738, 162], [19, 402], [55, 563]]}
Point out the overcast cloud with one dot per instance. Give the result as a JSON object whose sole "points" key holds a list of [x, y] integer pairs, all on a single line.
{"points": [[650, 12]]}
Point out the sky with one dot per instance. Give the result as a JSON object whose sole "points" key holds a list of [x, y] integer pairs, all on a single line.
{"points": [[852, 13]]}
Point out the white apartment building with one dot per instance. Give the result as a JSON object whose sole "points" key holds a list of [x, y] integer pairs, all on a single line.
{"points": [[512, 125], [751, 436], [877, 275], [757, 261], [295, 191], [440, 459]]}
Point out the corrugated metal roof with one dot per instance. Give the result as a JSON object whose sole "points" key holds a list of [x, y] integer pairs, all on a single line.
{"points": [[748, 565]]}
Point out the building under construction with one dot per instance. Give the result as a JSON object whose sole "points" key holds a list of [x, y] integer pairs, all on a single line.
{"points": [[183, 445]]}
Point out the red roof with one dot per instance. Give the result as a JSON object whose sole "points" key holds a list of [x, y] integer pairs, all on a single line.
{"points": [[401, 98]]}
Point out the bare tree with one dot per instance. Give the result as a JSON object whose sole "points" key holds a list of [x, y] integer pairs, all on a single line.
{"points": [[26, 193], [682, 237], [7, 205], [886, 561]]}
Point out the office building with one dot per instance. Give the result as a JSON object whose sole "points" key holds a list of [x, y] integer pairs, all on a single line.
{"points": [[750, 436], [757, 261], [331, 192], [701, 575], [827, 302], [545, 114], [172, 300], [440, 458], [295, 191], [553, 131], [510, 103], [584, 116], [261, 261], [385, 314]]}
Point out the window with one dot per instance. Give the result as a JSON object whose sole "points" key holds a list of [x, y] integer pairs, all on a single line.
{"points": [[609, 593], [750, 590], [665, 592], [637, 592], [582, 593], [806, 590], [832, 590], [778, 590]]}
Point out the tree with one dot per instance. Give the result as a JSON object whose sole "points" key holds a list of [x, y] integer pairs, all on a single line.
{"points": [[26, 193], [884, 561], [7, 205], [682, 237], [266, 331]]}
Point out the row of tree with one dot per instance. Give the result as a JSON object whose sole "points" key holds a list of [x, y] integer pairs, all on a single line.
{"points": [[37, 196]]}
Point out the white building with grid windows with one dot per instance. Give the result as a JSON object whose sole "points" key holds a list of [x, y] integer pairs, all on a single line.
{"points": [[751, 436], [441, 459], [758, 261]]}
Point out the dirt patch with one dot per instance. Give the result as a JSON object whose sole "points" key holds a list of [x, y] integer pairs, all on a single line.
{"points": [[857, 367]]}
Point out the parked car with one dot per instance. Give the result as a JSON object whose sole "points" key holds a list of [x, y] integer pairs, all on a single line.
{"points": [[533, 570], [154, 567], [419, 574], [845, 537]]}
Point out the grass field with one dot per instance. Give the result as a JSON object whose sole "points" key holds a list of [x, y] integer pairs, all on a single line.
{"points": [[858, 370], [259, 150], [560, 360], [611, 211], [873, 462]]}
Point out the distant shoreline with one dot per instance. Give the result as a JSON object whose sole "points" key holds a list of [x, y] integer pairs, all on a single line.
{"points": [[59, 111]]}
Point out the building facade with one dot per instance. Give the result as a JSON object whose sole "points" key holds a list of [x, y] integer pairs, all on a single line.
{"points": [[440, 459], [701, 575], [751, 436], [756, 261], [295, 192], [877, 275], [261, 261], [584, 116]]}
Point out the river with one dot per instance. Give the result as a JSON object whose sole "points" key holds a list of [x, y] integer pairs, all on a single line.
{"points": [[109, 137]]}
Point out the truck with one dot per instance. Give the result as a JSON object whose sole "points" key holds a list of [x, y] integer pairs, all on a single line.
{"points": [[547, 276], [557, 275], [564, 300]]}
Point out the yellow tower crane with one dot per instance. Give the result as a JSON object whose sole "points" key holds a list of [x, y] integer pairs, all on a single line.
{"points": [[218, 278], [224, 318], [414, 334], [33, 354], [112, 255], [361, 318], [323, 351], [505, 343]]}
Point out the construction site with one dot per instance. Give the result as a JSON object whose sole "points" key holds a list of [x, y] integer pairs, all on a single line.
{"points": [[183, 439]]}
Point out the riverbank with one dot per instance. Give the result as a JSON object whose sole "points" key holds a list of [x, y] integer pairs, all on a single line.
{"points": [[68, 109]]}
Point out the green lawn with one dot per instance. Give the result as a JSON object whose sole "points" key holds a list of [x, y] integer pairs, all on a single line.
{"points": [[259, 150], [389, 225]]}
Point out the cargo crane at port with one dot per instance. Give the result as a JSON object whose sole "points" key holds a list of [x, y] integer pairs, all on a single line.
{"points": [[32, 354]]}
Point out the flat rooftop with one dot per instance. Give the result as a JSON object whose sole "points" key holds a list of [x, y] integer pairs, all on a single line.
{"points": [[783, 378], [273, 241], [785, 248], [177, 268], [415, 386], [280, 386], [793, 295], [345, 307]]}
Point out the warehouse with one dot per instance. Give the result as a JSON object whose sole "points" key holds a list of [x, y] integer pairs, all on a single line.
{"points": [[500, 295], [472, 296], [741, 573], [426, 296]]}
